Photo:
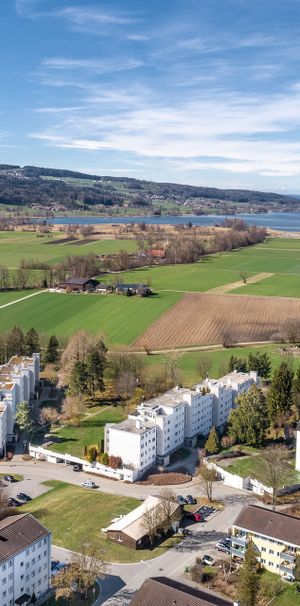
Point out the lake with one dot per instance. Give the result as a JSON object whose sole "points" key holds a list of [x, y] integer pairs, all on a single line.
{"points": [[280, 221]]}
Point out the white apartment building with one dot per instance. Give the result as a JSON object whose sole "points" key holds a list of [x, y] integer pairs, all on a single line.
{"points": [[25, 559], [18, 380], [176, 417]]}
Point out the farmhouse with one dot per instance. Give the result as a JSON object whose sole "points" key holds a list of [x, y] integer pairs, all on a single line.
{"points": [[140, 289], [161, 591], [275, 535], [131, 530], [80, 284]]}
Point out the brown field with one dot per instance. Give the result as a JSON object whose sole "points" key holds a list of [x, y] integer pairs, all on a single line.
{"points": [[202, 319]]}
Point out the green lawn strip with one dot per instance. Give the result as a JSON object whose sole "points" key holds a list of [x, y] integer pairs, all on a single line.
{"points": [[14, 295], [288, 597], [254, 467], [188, 361], [284, 285], [76, 515], [90, 432], [17, 245], [281, 243], [121, 319]]}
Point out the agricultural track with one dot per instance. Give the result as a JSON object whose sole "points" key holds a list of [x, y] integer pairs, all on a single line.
{"points": [[205, 319]]}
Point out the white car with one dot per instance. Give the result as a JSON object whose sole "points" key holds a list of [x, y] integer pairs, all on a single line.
{"points": [[88, 484]]}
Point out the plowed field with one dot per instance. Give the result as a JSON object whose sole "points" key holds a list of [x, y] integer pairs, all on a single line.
{"points": [[200, 319]]}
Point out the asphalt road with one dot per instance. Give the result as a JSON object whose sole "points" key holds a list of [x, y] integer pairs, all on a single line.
{"points": [[125, 579]]}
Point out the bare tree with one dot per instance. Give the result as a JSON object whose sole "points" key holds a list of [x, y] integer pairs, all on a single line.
{"points": [[89, 565], [152, 522], [73, 409], [50, 415], [125, 385], [276, 469], [204, 365], [77, 350], [227, 337], [169, 509], [4, 277], [208, 476]]}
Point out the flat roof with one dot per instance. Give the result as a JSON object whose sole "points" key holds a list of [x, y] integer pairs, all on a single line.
{"points": [[130, 426], [270, 523]]}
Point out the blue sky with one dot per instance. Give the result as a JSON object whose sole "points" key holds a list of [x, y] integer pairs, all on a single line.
{"points": [[204, 92]]}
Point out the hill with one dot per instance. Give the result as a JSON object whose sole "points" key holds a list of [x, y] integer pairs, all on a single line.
{"points": [[64, 190]]}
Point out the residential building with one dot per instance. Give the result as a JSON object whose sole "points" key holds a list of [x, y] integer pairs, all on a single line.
{"points": [[161, 591], [130, 530], [275, 535], [177, 418], [25, 559], [18, 382]]}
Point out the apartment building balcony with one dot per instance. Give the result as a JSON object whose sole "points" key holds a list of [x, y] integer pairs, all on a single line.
{"points": [[288, 556], [237, 553], [240, 540], [287, 568]]}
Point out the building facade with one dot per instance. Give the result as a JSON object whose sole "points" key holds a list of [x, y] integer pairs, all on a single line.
{"points": [[160, 426], [18, 382], [25, 559], [275, 535]]}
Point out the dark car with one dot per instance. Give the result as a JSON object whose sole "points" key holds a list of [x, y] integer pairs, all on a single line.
{"points": [[10, 479], [181, 500], [12, 502], [23, 497], [190, 500], [77, 467], [54, 564]]}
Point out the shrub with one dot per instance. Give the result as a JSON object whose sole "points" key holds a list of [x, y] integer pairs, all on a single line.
{"points": [[196, 574], [115, 462], [92, 454]]}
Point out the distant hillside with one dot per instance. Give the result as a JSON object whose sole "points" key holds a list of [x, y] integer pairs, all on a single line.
{"points": [[54, 189]]}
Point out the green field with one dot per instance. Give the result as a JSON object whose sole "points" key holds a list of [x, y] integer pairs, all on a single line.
{"points": [[76, 515], [285, 285], [253, 467], [121, 319], [17, 245], [8, 297], [90, 432]]}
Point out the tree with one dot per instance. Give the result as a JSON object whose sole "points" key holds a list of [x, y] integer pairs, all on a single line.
{"points": [[125, 385], [248, 577], [244, 276], [296, 389], [280, 393], [24, 417], [15, 342], [88, 566], [152, 522], [275, 469], [204, 365], [227, 442], [261, 362], [95, 365], [212, 444], [169, 511], [77, 350], [208, 476], [73, 408], [248, 422], [115, 462], [51, 355], [238, 364], [31, 342], [78, 379], [50, 415]]}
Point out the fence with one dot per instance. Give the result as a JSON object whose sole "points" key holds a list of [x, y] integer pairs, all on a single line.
{"points": [[235, 481]]}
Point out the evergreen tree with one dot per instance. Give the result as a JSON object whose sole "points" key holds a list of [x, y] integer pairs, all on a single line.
{"points": [[296, 389], [78, 379], [15, 342], [238, 364], [24, 417], [260, 361], [248, 577], [31, 342], [248, 422], [280, 392], [212, 444], [95, 365], [52, 354]]}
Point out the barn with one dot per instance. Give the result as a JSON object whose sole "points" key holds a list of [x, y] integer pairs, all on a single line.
{"points": [[80, 284]]}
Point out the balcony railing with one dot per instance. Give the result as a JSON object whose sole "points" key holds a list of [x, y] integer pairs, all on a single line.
{"points": [[239, 540], [238, 553], [288, 556], [287, 569]]}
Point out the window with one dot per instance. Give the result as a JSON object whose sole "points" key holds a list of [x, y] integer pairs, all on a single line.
{"points": [[271, 551]]}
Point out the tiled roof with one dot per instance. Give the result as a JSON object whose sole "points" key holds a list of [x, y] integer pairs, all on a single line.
{"points": [[17, 532], [269, 523], [161, 591]]}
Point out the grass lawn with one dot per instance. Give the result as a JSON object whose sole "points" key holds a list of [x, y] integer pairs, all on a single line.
{"points": [[288, 597], [90, 432], [253, 466], [188, 361], [121, 319], [285, 285], [14, 295], [76, 515], [17, 245]]}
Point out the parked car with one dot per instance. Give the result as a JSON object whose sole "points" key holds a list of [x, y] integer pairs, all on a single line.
{"points": [[60, 566], [54, 563], [88, 484], [77, 467], [181, 500], [190, 500], [208, 560], [10, 479], [23, 497], [196, 517], [12, 502]]}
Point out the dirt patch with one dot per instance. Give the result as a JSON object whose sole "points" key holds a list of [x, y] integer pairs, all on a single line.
{"points": [[204, 319], [166, 478], [252, 280]]}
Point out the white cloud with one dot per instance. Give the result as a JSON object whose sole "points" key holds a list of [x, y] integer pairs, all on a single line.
{"points": [[98, 66]]}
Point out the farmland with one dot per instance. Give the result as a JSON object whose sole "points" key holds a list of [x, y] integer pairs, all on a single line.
{"points": [[120, 319], [204, 319], [287, 285]]}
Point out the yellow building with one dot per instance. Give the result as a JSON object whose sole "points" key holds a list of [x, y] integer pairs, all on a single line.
{"points": [[275, 535]]}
